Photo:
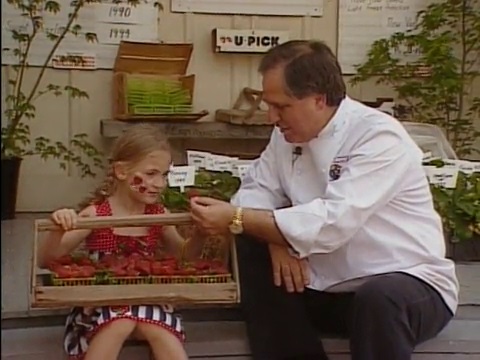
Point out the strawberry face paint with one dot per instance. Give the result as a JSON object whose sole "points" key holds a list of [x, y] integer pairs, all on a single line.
{"points": [[137, 184]]}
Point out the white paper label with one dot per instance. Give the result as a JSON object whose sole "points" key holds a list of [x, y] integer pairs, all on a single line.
{"points": [[445, 176], [240, 167], [181, 176], [197, 158], [223, 163], [468, 167], [242, 170], [209, 162]]}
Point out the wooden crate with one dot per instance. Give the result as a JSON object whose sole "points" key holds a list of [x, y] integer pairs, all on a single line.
{"points": [[182, 291], [151, 61]]}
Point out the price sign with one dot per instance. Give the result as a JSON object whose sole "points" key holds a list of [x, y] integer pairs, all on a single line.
{"points": [[181, 176]]}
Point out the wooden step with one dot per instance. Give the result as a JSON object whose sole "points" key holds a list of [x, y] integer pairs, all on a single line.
{"points": [[225, 340]]}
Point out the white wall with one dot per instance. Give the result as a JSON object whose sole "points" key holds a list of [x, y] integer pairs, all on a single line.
{"points": [[219, 78]]}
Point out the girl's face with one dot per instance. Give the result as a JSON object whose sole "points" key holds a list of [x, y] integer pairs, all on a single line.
{"points": [[148, 178]]}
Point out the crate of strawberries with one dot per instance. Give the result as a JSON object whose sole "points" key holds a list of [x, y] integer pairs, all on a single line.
{"points": [[135, 269], [82, 280]]}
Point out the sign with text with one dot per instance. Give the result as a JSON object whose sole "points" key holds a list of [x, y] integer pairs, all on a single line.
{"points": [[361, 22], [242, 169], [181, 176], [445, 176], [74, 61], [107, 23], [197, 158], [247, 41], [212, 162]]}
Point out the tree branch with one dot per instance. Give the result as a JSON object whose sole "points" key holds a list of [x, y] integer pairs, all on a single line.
{"points": [[65, 31]]}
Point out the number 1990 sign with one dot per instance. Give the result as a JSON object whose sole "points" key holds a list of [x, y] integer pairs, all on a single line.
{"points": [[120, 12]]}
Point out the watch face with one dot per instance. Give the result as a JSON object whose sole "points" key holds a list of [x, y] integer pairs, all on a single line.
{"points": [[236, 229]]}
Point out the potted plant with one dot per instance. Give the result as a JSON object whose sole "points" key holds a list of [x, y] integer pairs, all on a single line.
{"points": [[218, 185], [459, 209], [436, 86]]}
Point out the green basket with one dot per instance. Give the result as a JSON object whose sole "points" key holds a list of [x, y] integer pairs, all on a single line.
{"points": [[153, 96], [152, 109]]}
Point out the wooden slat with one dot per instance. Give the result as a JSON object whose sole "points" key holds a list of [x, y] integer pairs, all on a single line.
{"points": [[195, 130], [120, 221], [97, 295], [229, 338]]}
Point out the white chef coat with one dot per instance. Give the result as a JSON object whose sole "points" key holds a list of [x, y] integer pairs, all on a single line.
{"points": [[356, 202]]}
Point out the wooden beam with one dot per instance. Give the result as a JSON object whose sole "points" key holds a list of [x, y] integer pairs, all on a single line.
{"points": [[98, 295], [200, 130], [121, 221]]}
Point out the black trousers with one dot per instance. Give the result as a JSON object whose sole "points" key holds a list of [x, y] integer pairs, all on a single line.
{"points": [[384, 319]]}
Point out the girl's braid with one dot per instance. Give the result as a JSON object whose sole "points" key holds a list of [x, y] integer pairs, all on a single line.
{"points": [[102, 192]]}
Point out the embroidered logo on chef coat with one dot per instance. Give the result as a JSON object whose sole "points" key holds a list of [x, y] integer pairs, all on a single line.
{"points": [[336, 167], [335, 171]]}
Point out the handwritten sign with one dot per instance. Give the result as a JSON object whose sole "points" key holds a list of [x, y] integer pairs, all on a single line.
{"points": [[361, 22], [223, 163], [213, 162], [465, 166], [76, 61], [242, 170], [111, 23], [247, 41], [121, 13], [181, 176], [197, 158], [445, 176]]}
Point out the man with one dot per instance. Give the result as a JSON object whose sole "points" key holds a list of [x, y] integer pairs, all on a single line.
{"points": [[340, 205]]}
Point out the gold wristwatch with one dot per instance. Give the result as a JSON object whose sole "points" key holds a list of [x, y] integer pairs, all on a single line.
{"points": [[236, 226]]}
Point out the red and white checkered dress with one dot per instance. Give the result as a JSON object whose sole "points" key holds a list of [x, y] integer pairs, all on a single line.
{"points": [[83, 323]]}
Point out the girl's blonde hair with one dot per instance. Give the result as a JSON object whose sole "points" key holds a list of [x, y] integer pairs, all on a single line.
{"points": [[132, 146]]}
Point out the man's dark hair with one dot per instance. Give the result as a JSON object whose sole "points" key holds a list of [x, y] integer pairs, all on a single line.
{"points": [[310, 68]]}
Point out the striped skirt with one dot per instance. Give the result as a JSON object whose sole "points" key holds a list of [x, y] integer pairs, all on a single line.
{"points": [[83, 323]]}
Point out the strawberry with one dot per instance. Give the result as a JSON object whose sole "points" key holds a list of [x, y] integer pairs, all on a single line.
{"points": [[192, 193], [65, 260], [201, 265], [87, 271], [143, 266], [156, 268]]}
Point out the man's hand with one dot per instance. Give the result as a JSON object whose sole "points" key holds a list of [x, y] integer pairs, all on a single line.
{"points": [[294, 272], [211, 216]]}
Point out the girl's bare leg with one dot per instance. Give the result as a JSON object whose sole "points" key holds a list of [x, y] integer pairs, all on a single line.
{"points": [[164, 344], [108, 342]]}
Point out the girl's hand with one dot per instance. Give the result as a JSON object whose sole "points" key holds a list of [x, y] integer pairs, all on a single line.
{"points": [[66, 218]]}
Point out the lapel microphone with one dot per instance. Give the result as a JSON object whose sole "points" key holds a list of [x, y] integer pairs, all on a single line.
{"points": [[296, 152]]}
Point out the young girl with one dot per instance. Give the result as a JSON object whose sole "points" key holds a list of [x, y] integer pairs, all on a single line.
{"points": [[136, 177]]}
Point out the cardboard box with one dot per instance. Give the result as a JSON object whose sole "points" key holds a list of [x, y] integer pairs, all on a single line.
{"points": [[147, 63]]}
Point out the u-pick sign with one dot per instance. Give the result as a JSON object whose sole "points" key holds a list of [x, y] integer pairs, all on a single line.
{"points": [[181, 176]]}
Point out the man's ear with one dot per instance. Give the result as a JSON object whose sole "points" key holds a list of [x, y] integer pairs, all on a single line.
{"points": [[320, 102], [120, 170]]}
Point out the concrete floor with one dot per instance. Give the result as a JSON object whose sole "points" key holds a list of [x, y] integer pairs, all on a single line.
{"points": [[222, 340]]}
